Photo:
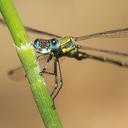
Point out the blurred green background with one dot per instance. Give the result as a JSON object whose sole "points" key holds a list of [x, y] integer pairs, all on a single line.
{"points": [[95, 94]]}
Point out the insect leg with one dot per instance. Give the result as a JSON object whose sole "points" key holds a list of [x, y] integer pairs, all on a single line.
{"points": [[60, 82], [56, 78], [45, 65], [39, 55]]}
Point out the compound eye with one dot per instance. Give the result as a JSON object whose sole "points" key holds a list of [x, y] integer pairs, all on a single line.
{"points": [[54, 41], [37, 43]]}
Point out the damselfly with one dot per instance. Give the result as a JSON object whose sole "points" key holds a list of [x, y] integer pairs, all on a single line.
{"points": [[57, 47]]}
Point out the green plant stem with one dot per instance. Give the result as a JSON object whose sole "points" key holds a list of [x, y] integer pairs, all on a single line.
{"points": [[28, 59]]}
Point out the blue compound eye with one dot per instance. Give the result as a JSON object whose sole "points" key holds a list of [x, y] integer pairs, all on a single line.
{"points": [[54, 44], [54, 41], [37, 44]]}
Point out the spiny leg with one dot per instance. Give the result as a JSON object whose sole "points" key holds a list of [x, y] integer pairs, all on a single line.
{"points": [[40, 54], [60, 82], [56, 78], [49, 58], [45, 65]]}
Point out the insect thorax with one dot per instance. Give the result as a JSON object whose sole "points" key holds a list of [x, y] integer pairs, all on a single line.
{"points": [[67, 44]]}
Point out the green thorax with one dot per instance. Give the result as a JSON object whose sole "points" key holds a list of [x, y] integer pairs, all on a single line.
{"points": [[67, 44]]}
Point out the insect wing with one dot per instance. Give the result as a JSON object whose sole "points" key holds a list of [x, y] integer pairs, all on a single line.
{"points": [[33, 30], [117, 33], [18, 74]]}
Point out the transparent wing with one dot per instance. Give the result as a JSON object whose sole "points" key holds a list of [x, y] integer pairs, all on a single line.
{"points": [[103, 58], [18, 73], [103, 50], [117, 33], [108, 60], [33, 30]]}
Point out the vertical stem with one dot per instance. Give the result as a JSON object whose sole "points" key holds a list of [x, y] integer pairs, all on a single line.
{"points": [[27, 57]]}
